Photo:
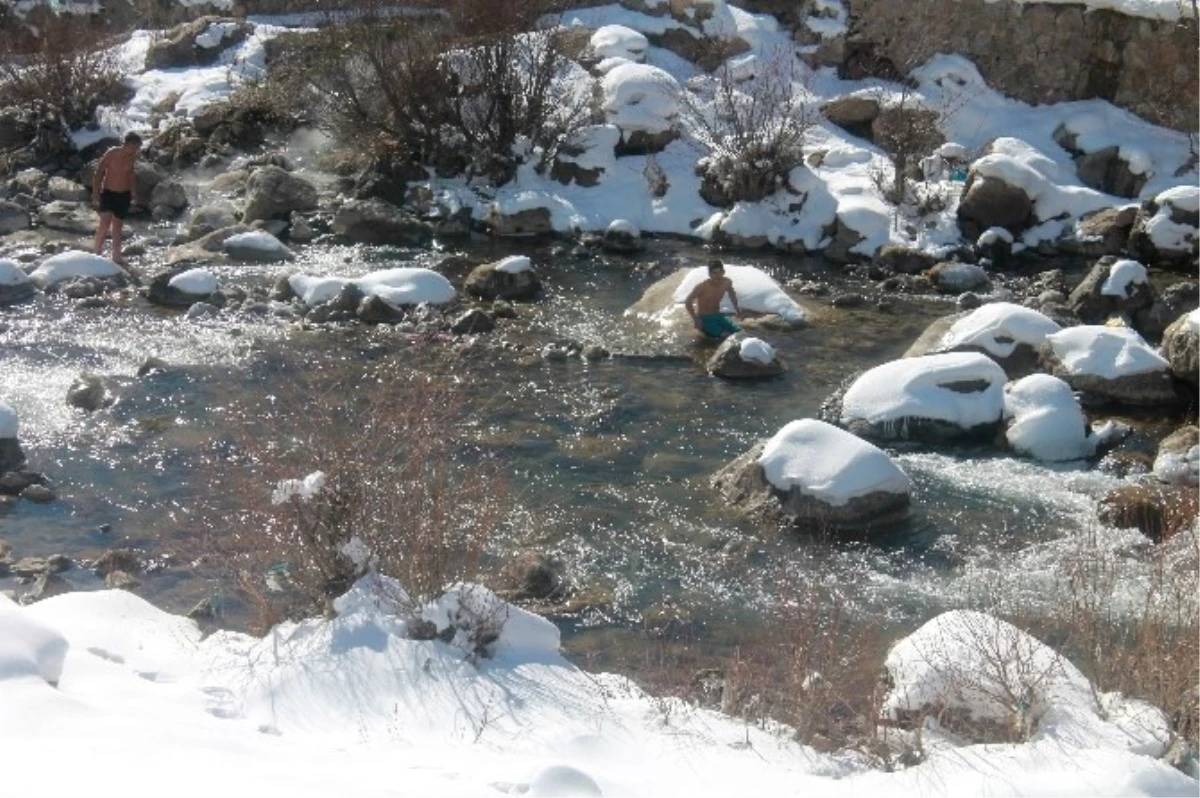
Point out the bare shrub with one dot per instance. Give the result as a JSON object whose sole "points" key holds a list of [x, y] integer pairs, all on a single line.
{"points": [[66, 70], [752, 129], [349, 475]]}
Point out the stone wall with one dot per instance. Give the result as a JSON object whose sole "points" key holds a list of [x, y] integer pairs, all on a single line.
{"points": [[1039, 53]]}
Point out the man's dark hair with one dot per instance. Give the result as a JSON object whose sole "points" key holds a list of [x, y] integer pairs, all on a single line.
{"points": [[715, 266], [133, 138]]}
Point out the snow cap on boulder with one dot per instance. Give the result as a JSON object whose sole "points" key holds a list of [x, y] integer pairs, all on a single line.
{"points": [[998, 328], [1045, 420], [71, 264]]}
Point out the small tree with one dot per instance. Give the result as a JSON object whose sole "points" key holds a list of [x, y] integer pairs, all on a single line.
{"points": [[752, 129]]}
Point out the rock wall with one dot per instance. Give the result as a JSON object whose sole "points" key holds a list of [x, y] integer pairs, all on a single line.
{"points": [[1039, 53]]}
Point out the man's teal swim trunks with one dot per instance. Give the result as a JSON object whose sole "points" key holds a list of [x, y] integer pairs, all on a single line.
{"points": [[717, 325]]}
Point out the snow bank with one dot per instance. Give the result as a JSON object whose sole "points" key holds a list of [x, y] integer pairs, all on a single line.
{"points": [[8, 422], [829, 463], [1046, 420], [28, 649], [998, 328], [198, 282], [1121, 275], [756, 292], [928, 387], [1107, 352], [72, 264], [476, 613], [639, 97], [405, 285]]}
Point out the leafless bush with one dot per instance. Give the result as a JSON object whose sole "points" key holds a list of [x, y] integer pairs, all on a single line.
{"points": [[395, 495], [753, 130], [66, 70]]}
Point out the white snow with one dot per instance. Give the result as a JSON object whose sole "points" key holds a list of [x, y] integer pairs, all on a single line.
{"points": [[624, 227], [756, 350], [1122, 275], [8, 422], [11, 273], [303, 489], [28, 649], [992, 235], [1167, 234], [998, 328], [829, 463], [1046, 422], [1107, 352], [197, 282], [71, 264], [756, 291], [405, 285], [618, 41], [514, 264], [916, 387], [640, 97], [1193, 320]]}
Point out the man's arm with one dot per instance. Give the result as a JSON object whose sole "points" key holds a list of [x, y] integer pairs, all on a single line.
{"points": [[132, 174], [737, 309], [98, 179], [690, 304]]}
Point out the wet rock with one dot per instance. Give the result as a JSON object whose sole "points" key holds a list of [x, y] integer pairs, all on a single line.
{"points": [[622, 237], [202, 310], [300, 230], [511, 278], [955, 278], [204, 610], [13, 218], [68, 190], [503, 309], [90, 392], [181, 287], [473, 321], [1112, 287], [120, 580], [594, 352], [272, 192], [968, 301], [535, 577], [258, 246], [1181, 348], [903, 260], [742, 358], [46, 586], [15, 481], [153, 365], [376, 222], [39, 494], [529, 222], [848, 300], [170, 195], [1157, 511], [373, 310], [127, 560], [29, 567]]}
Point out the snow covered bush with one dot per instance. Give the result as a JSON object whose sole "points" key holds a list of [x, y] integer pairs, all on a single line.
{"points": [[752, 129], [343, 476]]}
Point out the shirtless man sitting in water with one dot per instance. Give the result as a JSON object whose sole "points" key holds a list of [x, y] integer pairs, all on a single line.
{"points": [[704, 304], [114, 191]]}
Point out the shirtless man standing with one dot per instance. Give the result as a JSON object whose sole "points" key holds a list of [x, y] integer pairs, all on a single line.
{"points": [[114, 190], [704, 304]]}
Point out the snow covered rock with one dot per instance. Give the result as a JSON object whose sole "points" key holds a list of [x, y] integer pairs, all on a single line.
{"points": [[399, 287], [510, 278], [377, 222], [935, 398], [985, 680], [15, 285], [74, 264], [586, 156], [1109, 365], [1007, 333], [11, 454], [1104, 232], [757, 292], [29, 649], [196, 43], [742, 358], [622, 237], [642, 101], [1178, 458], [1165, 232], [1181, 347], [273, 193], [989, 202], [1112, 287], [257, 245], [1044, 420], [818, 477], [182, 287], [618, 41]]}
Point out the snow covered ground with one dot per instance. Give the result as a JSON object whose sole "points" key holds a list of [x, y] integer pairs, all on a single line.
{"points": [[101, 694]]}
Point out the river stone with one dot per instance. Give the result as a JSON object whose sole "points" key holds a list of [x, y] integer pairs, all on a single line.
{"points": [[120, 580], [257, 246], [490, 281], [68, 190], [13, 218], [529, 222], [1098, 387], [161, 292], [15, 285], [1177, 299], [1181, 347], [1166, 251], [170, 194], [377, 222], [373, 310], [955, 278], [622, 237], [13, 482], [272, 192], [1105, 232], [47, 586], [534, 577], [1093, 306], [39, 494], [209, 218], [744, 484], [473, 321], [903, 260], [728, 361], [127, 560], [1177, 460], [68, 217], [1156, 510], [90, 392], [988, 202], [28, 567], [11, 454]]}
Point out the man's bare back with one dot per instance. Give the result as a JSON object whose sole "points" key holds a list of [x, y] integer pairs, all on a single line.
{"points": [[115, 171]]}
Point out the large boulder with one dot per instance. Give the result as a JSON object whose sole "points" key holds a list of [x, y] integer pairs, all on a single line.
{"points": [[274, 193], [1165, 233], [196, 43], [854, 113], [1178, 459], [990, 202], [15, 285], [1181, 347], [377, 222], [1106, 171], [68, 190], [622, 237], [1007, 333], [1109, 365], [758, 295], [510, 278], [77, 218], [941, 398], [819, 478], [743, 358], [1112, 287], [11, 455], [953, 277]]}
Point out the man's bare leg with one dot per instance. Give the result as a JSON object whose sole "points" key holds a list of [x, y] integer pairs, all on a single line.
{"points": [[106, 220], [117, 227]]}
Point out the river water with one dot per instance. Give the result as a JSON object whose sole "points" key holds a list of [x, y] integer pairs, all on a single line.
{"points": [[609, 462]]}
